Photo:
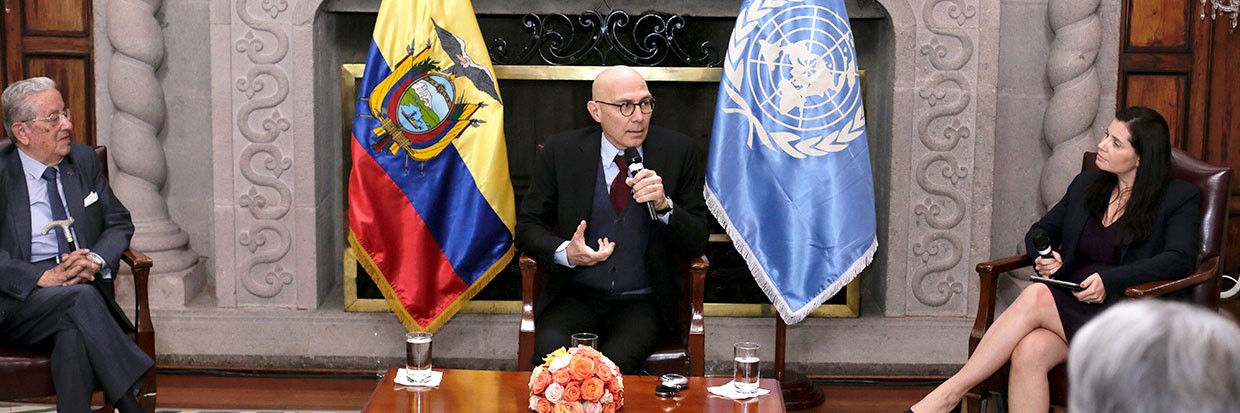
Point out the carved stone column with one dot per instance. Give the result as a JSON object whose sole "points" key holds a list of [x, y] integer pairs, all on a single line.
{"points": [[1071, 70], [137, 151]]}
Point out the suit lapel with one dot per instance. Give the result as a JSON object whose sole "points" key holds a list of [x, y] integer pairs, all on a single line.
{"points": [[655, 157], [18, 203], [586, 162], [1073, 226]]}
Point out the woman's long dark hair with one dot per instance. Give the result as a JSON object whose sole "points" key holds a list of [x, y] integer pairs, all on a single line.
{"points": [[1151, 140]]}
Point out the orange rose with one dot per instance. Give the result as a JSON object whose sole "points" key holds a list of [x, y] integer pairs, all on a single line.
{"points": [[545, 406], [607, 408], [572, 392], [592, 389], [541, 381], [560, 376], [602, 371], [581, 367], [568, 407], [613, 385]]}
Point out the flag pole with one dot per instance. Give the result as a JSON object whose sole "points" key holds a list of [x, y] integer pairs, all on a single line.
{"points": [[799, 392]]}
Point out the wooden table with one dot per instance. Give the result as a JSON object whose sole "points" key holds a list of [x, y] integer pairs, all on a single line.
{"points": [[508, 391]]}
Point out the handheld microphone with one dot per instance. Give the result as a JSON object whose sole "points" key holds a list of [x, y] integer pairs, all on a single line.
{"points": [[1041, 243], [635, 166]]}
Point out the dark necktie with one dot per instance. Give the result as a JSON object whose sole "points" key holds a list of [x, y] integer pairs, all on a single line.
{"points": [[620, 193], [58, 207]]}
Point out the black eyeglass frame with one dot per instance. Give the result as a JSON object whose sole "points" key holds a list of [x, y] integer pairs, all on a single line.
{"points": [[646, 105]]}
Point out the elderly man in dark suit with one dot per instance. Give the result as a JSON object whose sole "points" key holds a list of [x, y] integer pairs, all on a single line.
{"points": [[49, 295], [613, 271]]}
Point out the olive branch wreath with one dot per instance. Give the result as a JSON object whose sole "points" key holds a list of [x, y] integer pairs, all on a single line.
{"points": [[792, 144]]}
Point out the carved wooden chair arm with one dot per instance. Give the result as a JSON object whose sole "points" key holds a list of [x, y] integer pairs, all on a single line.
{"points": [[532, 279], [1207, 271], [696, 287], [988, 273], [141, 265]]}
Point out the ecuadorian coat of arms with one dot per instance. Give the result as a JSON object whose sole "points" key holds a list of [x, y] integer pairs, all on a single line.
{"points": [[420, 106]]}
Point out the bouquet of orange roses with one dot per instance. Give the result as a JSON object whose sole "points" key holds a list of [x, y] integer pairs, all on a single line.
{"points": [[577, 380]]}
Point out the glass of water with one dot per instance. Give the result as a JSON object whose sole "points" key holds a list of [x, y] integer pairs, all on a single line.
{"points": [[585, 339], [745, 372], [418, 356]]}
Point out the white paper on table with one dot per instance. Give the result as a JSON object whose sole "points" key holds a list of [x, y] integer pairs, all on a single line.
{"points": [[432, 380], [729, 391]]}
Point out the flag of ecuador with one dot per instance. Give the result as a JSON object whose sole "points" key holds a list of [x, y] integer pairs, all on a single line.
{"points": [[430, 201]]}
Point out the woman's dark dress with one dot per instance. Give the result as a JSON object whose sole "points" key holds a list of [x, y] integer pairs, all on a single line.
{"points": [[1096, 252]]}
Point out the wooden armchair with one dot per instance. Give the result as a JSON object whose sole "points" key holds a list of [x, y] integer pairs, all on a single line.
{"points": [[684, 354], [1201, 287], [27, 374]]}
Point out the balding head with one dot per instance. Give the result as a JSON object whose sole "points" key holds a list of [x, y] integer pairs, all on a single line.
{"points": [[612, 88], [612, 78]]}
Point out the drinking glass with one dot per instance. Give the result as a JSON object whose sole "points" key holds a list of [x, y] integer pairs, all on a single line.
{"points": [[745, 372], [585, 339], [418, 356]]}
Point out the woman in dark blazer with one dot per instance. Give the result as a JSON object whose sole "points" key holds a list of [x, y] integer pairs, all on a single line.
{"points": [[1125, 224]]}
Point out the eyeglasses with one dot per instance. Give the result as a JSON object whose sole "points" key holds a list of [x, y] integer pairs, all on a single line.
{"points": [[626, 108], [53, 118]]}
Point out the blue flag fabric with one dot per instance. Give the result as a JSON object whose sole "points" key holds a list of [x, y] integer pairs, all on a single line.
{"points": [[789, 169]]}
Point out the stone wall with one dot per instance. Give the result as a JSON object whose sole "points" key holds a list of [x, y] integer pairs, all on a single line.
{"points": [[251, 139]]}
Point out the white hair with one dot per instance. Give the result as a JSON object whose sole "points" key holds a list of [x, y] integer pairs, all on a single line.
{"points": [[16, 100], [1155, 356]]}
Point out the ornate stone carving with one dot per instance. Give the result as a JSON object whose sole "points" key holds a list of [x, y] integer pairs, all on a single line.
{"points": [[256, 281], [264, 198], [940, 234], [141, 166]]}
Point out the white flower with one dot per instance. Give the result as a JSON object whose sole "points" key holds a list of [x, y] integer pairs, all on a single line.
{"points": [[537, 371], [607, 398], [534, 403], [615, 371], [559, 362], [591, 407], [554, 392]]}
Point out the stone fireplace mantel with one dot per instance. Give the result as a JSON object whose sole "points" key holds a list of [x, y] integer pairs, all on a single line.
{"points": [[276, 120], [275, 221]]}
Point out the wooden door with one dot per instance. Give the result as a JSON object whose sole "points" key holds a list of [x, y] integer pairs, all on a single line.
{"points": [[1184, 66], [54, 38]]}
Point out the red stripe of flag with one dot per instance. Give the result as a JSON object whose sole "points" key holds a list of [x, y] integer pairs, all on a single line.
{"points": [[399, 243]]}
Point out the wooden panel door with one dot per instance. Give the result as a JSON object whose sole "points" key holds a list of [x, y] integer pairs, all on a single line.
{"points": [[1184, 66], [1217, 121], [54, 38]]}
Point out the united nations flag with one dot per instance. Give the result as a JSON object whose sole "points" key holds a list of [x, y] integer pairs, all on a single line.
{"points": [[431, 211], [789, 169]]}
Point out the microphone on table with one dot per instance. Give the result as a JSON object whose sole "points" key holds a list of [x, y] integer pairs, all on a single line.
{"points": [[635, 166]]}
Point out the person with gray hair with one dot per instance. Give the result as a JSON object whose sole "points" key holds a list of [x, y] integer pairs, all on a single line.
{"points": [[1155, 356], [51, 294]]}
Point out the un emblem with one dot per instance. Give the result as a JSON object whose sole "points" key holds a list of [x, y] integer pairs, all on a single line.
{"points": [[792, 73]]}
